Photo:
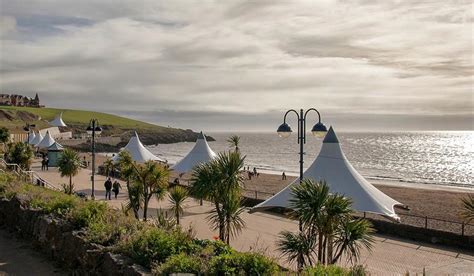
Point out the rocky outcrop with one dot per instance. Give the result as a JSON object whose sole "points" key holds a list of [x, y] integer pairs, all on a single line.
{"points": [[58, 240]]}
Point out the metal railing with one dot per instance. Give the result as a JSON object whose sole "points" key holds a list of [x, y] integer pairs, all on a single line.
{"points": [[27, 176], [456, 227]]}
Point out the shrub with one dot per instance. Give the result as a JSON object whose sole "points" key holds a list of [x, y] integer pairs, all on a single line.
{"points": [[151, 245], [237, 263], [88, 212], [112, 228], [335, 270], [181, 263]]}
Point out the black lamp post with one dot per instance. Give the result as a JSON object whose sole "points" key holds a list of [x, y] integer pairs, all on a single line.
{"points": [[318, 130], [92, 130], [28, 129]]}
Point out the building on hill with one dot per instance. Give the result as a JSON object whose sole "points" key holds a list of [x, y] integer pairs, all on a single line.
{"points": [[20, 100]]}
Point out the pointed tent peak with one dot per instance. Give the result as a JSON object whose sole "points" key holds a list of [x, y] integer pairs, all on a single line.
{"points": [[331, 136], [46, 142], [56, 147], [38, 138], [135, 134], [201, 136], [58, 121]]}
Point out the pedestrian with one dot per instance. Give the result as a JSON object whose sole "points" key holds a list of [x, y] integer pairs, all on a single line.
{"points": [[46, 163], [249, 175], [283, 176], [116, 188], [42, 164], [255, 172], [108, 188]]}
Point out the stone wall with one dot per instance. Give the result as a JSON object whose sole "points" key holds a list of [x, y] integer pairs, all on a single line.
{"points": [[57, 239]]}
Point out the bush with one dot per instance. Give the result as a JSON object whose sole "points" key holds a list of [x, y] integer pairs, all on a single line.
{"points": [[181, 263], [334, 270], [112, 228], [237, 263], [87, 213], [152, 245]]}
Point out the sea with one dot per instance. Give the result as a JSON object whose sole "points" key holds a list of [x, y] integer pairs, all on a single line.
{"points": [[434, 158]]}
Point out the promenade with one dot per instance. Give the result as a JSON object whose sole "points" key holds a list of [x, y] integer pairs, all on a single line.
{"points": [[390, 256]]}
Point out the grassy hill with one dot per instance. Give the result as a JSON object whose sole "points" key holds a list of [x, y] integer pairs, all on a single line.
{"points": [[15, 119]]}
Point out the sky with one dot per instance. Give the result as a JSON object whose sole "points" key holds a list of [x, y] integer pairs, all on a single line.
{"points": [[239, 65]]}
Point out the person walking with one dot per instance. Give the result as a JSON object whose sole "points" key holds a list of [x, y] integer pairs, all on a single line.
{"points": [[43, 164], [46, 163], [283, 176], [116, 188], [108, 188]]}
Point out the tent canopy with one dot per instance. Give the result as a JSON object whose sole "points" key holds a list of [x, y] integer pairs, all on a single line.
{"points": [[200, 153], [138, 152], [332, 166], [47, 141], [56, 147], [37, 140], [58, 121]]}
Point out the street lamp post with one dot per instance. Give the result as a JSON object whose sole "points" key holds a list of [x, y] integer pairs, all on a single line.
{"points": [[28, 129], [92, 130], [318, 130]]}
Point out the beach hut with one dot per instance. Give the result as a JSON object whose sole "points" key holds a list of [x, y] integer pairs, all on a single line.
{"points": [[138, 152], [54, 152], [47, 142], [201, 153], [37, 140], [31, 138], [332, 166], [58, 121]]}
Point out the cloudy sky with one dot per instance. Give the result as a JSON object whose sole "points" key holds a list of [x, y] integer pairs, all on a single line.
{"points": [[239, 65]]}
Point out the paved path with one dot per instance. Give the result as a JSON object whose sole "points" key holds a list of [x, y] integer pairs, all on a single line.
{"points": [[389, 255], [18, 258]]}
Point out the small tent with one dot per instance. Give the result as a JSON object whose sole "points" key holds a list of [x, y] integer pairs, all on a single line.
{"points": [[138, 152], [200, 153], [37, 140], [58, 121], [332, 166], [54, 153], [47, 141]]}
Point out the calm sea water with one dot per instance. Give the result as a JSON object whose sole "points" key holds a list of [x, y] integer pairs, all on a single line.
{"points": [[442, 158]]}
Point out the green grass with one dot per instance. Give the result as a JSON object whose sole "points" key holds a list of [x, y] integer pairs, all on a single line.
{"points": [[82, 117]]}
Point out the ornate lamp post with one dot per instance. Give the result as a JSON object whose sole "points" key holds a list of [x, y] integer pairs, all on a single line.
{"points": [[318, 130], [28, 128], [93, 129]]}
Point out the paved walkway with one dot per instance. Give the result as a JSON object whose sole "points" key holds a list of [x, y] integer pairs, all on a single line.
{"points": [[389, 256], [18, 258]]}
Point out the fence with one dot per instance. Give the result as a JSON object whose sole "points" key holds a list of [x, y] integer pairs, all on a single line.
{"points": [[455, 227], [28, 176]]}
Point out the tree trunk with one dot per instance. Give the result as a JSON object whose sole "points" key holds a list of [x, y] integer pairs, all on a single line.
{"points": [[320, 247], [330, 248], [145, 208], [177, 217], [70, 185]]}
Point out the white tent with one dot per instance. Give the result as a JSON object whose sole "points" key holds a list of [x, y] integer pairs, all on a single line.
{"points": [[38, 139], [332, 166], [58, 121], [46, 142], [31, 138], [138, 152], [201, 153]]}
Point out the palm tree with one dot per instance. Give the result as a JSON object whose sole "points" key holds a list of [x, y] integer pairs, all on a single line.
{"points": [[109, 166], [126, 167], [468, 205], [220, 182], [234, 142], [154, 180], [352, 235], [326, 221], [297, 247], [177, 196], [69, 164]]}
